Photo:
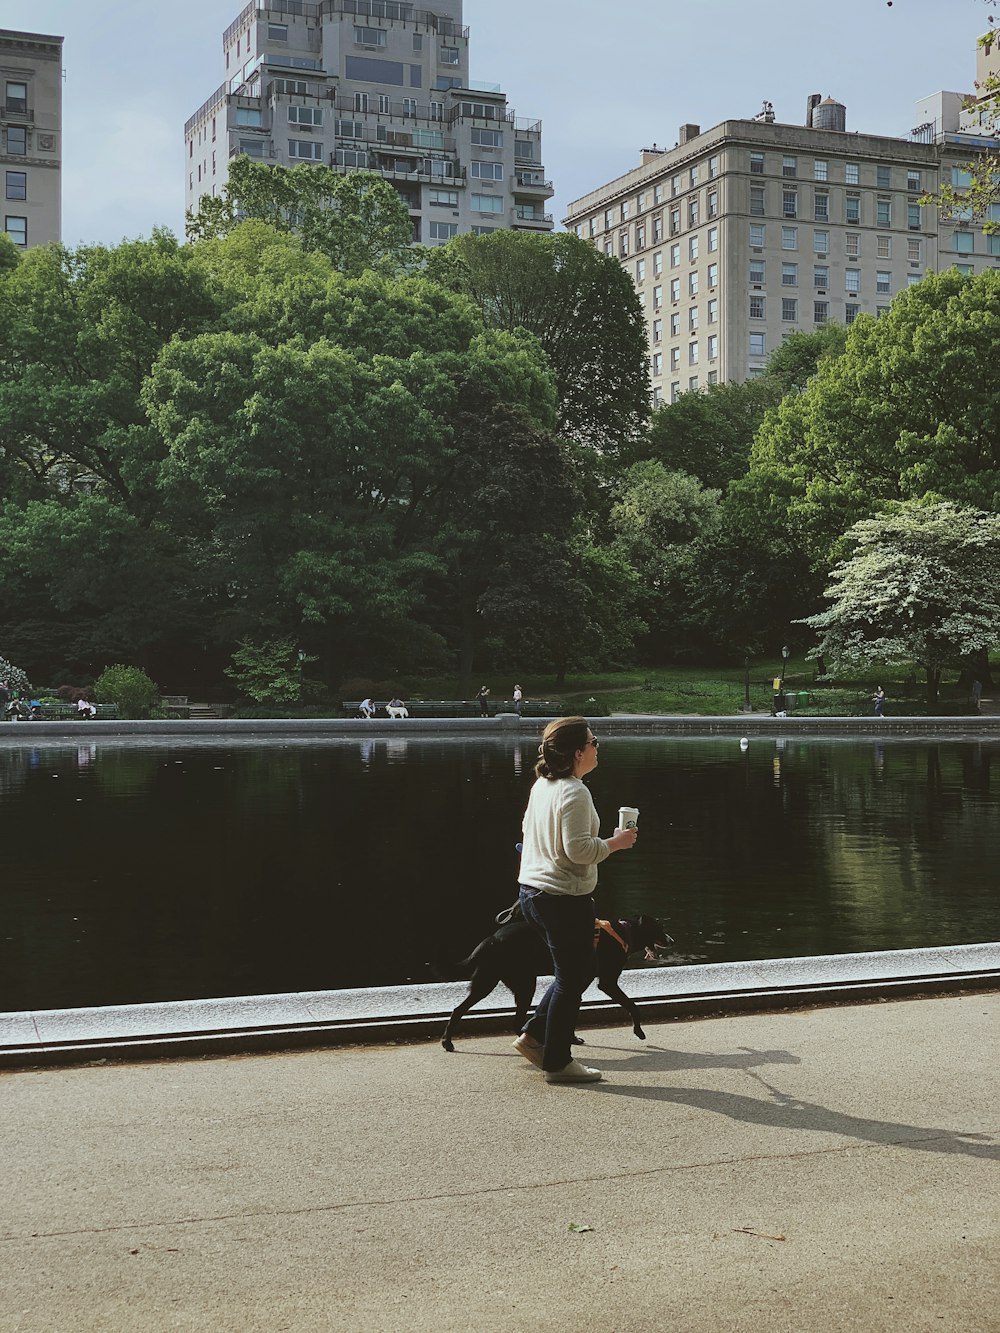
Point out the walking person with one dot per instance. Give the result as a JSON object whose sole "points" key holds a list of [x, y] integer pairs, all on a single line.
{"points": [[879, 700], [483, 697], [559, 861], [518, 699]]}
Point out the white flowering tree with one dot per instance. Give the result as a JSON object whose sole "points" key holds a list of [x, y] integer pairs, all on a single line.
{"points": [[17, 680], [922, 585]]}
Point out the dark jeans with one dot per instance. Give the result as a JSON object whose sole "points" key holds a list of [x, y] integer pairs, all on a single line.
{"points": [[567, 924]]}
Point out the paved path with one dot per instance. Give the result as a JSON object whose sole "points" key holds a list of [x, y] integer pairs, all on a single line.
{"points": [[834, 1169]]}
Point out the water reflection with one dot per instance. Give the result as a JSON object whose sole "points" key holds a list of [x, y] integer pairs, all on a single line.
{"points": [[193, 868]]}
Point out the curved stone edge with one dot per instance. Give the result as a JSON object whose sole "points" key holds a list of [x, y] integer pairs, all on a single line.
{"points": [[317, 1018]]}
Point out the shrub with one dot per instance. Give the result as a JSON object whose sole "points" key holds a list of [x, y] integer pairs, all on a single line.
{"points": [[130, 688], [17, 680], [271, 672]]}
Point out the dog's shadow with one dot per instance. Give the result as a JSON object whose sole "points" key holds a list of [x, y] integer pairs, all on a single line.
{"points": [[664, 1060]]}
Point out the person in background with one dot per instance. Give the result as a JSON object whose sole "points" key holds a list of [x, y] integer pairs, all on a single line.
{"points": [[879, 700], [558, 875], [483, 697], [85, 708], [518, 699], [366, 709]]}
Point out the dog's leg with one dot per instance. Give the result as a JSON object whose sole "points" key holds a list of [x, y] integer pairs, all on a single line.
{"points": [[480, 987], [523, 990], [611, 988]]}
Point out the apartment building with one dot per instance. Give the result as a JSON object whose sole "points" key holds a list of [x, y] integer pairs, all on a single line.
{"points": [[31, 136], [372, 85], [752, 230]]}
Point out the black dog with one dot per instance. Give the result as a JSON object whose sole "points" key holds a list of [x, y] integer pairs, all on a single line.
{"points": [[517, 955]]}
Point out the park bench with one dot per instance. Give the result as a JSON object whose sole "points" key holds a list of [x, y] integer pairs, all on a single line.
{"points": [[68, 712], [460, 707]]}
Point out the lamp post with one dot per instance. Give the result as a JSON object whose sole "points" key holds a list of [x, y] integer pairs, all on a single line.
{"points": [[747, 706], [301, 659], [785, 653]]}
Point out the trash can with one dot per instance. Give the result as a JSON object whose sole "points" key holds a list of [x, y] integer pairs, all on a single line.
{"points": [[803, 698]]}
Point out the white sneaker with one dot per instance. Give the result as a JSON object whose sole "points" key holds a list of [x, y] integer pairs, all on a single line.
{"points": [[574, 1072], [530, 1048]]}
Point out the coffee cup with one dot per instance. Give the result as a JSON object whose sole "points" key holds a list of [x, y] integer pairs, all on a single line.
{"points": [[628, 816]]}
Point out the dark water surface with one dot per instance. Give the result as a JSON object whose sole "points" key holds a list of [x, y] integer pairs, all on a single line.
{"points": [[135, 872]]}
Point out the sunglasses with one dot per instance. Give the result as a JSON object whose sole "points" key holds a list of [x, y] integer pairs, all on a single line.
{"points": [[594, 742]]}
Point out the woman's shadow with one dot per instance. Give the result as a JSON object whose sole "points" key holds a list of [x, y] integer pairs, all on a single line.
{"points": [[779, 1109]]}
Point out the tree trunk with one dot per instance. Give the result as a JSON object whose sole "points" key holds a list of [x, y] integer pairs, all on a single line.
{"points": [[933, 681], [467, 652], [977, 667]]}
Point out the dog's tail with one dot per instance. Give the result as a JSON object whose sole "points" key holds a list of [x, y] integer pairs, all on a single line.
{"points": [[447, 970]]}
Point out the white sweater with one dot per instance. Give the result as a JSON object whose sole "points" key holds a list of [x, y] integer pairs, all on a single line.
{"points": [[561, 848]]}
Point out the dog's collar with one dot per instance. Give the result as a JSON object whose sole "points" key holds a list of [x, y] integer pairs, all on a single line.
{"points": [[608, 929]]}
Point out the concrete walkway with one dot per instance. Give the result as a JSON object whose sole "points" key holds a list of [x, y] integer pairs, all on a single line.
{"points": [[831, 1169]]}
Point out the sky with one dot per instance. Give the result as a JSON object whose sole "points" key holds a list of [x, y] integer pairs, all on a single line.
{"points": [[605, 78]]}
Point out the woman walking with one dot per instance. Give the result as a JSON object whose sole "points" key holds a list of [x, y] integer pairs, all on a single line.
{"points": [[559, 863]]}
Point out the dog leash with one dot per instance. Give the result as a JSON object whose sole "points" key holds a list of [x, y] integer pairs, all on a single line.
{"points": [[608, 929]]}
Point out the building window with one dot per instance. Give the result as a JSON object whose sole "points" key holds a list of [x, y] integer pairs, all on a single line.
{"points": [[757, 272], [675, 289], [789, 238], [692, 354], [713, 377], [883, 178], [757, 344], [657, 330], [694, 177], [349, 129], [913, 217], [821, 211], [675, 255], [913, 181], [608, 249], [883, 247], [693, 384], [657, 395], [789, 275], [713, 167], [443, 198], [851, 312], [257, 148], [789, 309], [448, 55], [640, 202], [442, 231], [658, 263], [675, 325], [914, 249], [693, 319], [625, 212], [713, 276], [658, 193], [883, 213], [487, 171], [883, 282], [305, 148], [913, 278], [962, 242], [821, 312], [712, 347], [852, 244], [675, 221], [675, 358], [712, 312], [757, 201], [17, 230], [657, 364], [852, 210], [993, 244], [640, 235], [17, 98], [297, 115], [675, 185], [675, 391], [852, 173], [487, 138], [852, 280], [821, 242], [789, 166], [821, 170], [640, 270], [485, 203], [657, 228], [712, 204], [756, 307], [713, 239], [692, 249], [881, 310], [278, 32], [384, 104], [790, 203], [17, 185], [965, 270], [418, 41], [693, 213], [821, 276], [17, 140], [756, 164], [960, 178], [657, 297], [692, 284], [757, 235]]}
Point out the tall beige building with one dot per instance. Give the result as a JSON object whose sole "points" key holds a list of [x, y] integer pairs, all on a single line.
{"points": [[31, 136], [747, 232], [378, 86]]}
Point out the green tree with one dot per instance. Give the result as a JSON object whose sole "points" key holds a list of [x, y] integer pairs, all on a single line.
{"points": [[128, 687], [709, 434], [271, 672], [357, 220], [922, 585], [582, 308]]}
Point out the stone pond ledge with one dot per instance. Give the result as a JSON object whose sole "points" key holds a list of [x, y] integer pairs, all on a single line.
{"points": [[505, 725], [377, 1015]]}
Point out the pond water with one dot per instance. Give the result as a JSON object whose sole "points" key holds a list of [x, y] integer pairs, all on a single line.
{"points": [[132, 871]]}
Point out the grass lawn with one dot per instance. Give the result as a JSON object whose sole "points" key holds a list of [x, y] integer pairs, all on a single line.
{"points": [[710, 691]]}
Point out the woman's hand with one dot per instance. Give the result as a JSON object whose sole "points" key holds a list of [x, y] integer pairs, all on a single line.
{"points": [[623, 839]]}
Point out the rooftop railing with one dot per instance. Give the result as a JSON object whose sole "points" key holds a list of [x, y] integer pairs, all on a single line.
{"points": [[372, 9]]}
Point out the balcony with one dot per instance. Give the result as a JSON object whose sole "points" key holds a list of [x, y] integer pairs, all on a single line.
{"points": [[529, 217], [532, 182]]}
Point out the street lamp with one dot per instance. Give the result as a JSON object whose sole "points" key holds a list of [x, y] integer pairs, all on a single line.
{"points": [[785, 654], [747, 705]]}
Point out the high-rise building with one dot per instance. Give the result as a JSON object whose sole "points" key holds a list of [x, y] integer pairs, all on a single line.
{"points": [[378, 86], [752, 230], [31, 136]]}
